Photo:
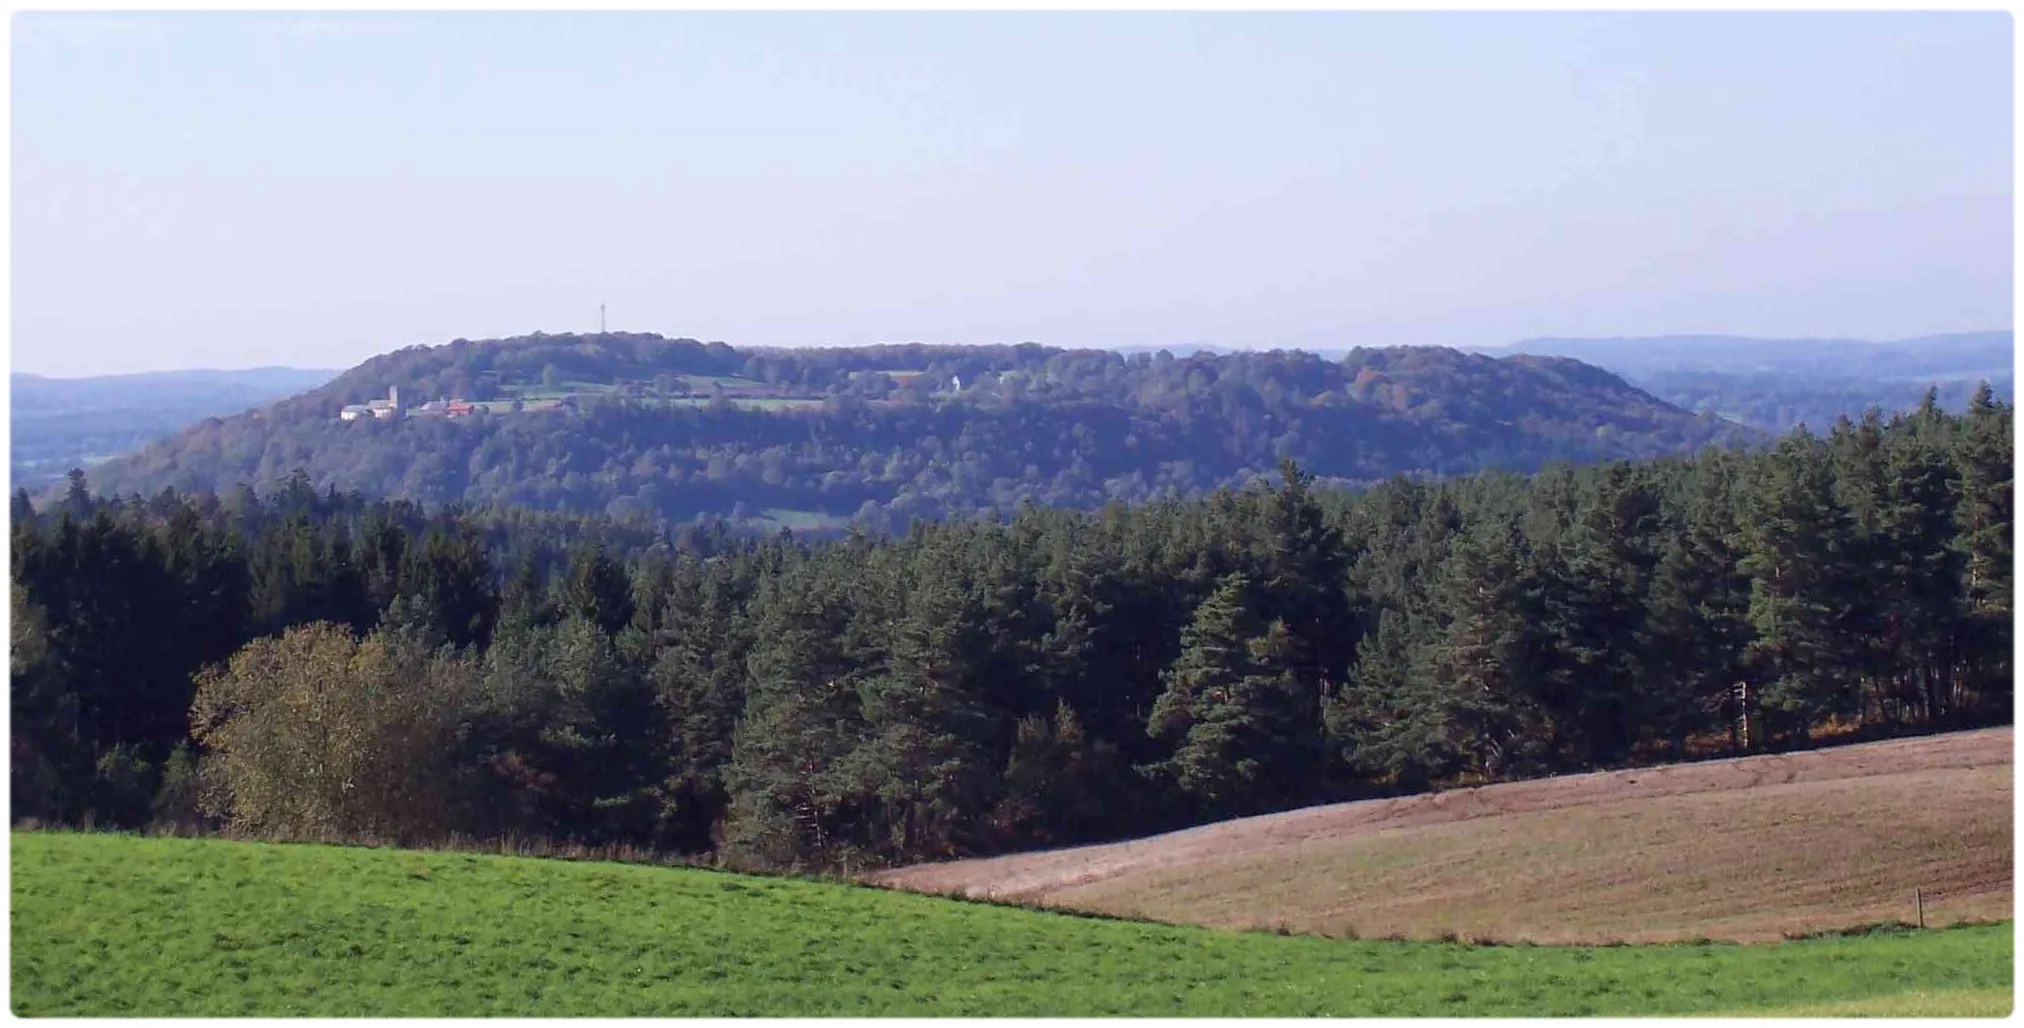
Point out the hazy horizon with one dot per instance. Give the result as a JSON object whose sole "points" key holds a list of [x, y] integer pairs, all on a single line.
{"points": [[228, 191], [1178, 350]]}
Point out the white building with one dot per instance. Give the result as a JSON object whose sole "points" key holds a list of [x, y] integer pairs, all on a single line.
{"points": [[383, 410]]}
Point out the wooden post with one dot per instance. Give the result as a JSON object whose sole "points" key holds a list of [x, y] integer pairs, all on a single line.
{"points": [[1919, 895]]}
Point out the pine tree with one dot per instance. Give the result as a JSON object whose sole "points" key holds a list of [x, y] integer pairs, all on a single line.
{"points": [[606, 739], [699, 679], [923, 769], [1698, 616], [1481, 657], [1595, 646], [450, 571], [1245, 733], [1385, 721], [77, 504], [598, 590], [792, 800], [1921, 601], [1797, 538], [1983, 455]]}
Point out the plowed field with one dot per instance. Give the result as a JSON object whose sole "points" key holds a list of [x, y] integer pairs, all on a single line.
{"points": [[1745, 850]]}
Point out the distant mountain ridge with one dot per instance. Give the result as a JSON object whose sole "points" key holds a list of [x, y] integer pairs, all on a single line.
{"points": [[279, 374], [1779, 384], [1964, 353], [638, 424], [62, 423]]}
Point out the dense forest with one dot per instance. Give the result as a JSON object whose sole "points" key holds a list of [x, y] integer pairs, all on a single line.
{"points": [[651, 429], [309, 662]]}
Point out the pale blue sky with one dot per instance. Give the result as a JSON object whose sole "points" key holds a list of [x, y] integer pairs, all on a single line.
{"points": [[231, 190]]}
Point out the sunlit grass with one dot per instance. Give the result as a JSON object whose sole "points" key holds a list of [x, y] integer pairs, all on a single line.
{"points": [[112, 925]]}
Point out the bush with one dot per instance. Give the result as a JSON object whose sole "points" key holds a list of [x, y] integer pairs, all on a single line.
{"points": [[315, 733]]}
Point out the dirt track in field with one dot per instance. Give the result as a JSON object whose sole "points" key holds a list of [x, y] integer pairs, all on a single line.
{"points": [[1746, 849]]}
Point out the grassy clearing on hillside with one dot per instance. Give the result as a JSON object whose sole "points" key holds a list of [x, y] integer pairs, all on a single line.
{"points": [[112, 925], [802, 520]]}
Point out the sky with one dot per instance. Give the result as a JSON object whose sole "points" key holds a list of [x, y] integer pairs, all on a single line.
{"points": [[242, 189]]}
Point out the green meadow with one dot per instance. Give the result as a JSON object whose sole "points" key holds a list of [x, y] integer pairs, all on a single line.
{"points": [[108, 925]]}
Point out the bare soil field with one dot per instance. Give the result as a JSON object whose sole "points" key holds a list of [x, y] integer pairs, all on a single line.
{"points": [[1745, 850]]}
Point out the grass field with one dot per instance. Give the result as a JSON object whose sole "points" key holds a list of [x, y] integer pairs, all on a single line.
{"points": [[1959, 1003], [766, 403], [1738, 850], [110, 925], [801, 520]]}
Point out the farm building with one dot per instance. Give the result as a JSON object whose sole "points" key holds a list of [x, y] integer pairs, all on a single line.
{"points": [[383, 410]]}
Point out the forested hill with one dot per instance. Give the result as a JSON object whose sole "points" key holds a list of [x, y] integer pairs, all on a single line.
{"points": [[633, 424]]}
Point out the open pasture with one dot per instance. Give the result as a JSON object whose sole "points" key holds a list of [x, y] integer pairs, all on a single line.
{"points": [[113, 925]]}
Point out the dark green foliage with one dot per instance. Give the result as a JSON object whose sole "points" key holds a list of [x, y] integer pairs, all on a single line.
{"points": [[979, 685], [1799, 547], [1242, 726]]}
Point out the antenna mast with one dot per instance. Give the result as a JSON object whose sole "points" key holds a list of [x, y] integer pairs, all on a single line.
{"points": [[600, 319]]}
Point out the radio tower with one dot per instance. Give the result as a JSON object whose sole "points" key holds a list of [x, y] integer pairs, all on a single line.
{"points": [[600, 319]]}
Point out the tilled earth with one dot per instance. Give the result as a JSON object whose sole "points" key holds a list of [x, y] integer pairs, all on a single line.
{"points": [[1747, 849]]}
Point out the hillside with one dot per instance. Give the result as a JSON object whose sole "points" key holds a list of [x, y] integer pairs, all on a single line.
{"points": [[1778, 384], [1745, 849], [64, 423], [637, 424], [112, 925]]}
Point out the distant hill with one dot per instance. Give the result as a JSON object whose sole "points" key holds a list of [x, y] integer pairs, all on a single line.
{"points": [[62, 423], [1777, 384], [675, 428], [1961, 355]]}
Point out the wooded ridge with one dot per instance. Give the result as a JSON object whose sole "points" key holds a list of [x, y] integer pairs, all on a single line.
{"points": [[642, 427]]}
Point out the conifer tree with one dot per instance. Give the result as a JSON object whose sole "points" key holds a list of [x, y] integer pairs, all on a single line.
{"points": [[1985, 537], [1698, 614], [1244, 730], [598, 590], [1797, 540], [1595, 646], [1483, 718], [792, 798]]}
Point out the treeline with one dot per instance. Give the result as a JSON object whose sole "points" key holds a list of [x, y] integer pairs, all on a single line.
{"points": [[307, 663], [884, 436]]}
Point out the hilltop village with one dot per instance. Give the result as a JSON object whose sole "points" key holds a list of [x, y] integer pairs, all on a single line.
{"points": [[390, 409]]}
